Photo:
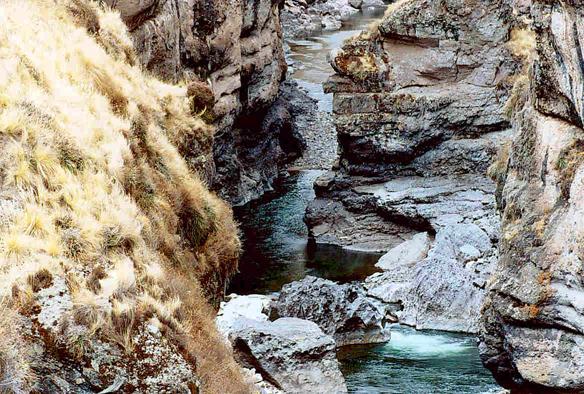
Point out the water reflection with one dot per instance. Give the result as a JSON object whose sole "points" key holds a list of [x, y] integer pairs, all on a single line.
{"points": [[275, 248]]}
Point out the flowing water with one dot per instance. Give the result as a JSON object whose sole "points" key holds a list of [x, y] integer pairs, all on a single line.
{"points": [[276, 252]]}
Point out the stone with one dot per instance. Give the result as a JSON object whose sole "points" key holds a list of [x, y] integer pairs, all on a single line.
{"points": [[236, 48], [356, 3], [406, 253], [532, 329], [343, 311], [294, 355], [444, 290], [252, 307], [329, 22]]}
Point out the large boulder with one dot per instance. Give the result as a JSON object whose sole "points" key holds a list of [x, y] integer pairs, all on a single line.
{"points": [[343, 311], [444, 290], [253, 307], [294, 355], [407, 253]]}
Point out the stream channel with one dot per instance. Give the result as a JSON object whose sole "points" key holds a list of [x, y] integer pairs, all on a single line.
{"points": [[276, 252]]}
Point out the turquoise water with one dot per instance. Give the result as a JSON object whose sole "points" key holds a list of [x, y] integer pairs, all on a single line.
{"points": [[275, 247], [415, 362], [275, 252]]}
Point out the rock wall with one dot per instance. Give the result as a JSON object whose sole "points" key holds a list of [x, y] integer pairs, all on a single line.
{"points": [[533, 325], [419, 111], [236, 47]]}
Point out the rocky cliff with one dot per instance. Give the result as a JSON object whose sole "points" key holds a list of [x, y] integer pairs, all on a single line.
{"points": [[109, 240], [533, 325], [419, 111], [235, 48]]}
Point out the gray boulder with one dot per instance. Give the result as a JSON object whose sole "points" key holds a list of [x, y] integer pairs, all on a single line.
{"points": [[445, 290], [294, 355], [406, 253], [343, 311]]}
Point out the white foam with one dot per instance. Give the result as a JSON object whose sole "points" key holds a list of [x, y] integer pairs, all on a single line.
{"points": [[419, 344]]}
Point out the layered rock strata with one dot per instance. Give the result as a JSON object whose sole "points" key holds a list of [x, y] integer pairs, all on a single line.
{"points": [[533, 324], [419, 110], [235, 47]]}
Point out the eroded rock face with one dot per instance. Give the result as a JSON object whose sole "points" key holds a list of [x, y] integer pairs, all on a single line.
{"points": [[101, 366], [419, 110], [343, 311], [533, 324], [292, 354], [236, 47]]}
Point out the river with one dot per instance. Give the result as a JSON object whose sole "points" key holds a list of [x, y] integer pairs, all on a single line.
{"points": [[276, 252]]}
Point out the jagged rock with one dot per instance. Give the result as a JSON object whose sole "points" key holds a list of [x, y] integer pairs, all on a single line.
{"points": [[160, 365], [419, 110], [329, 22], [292, 354], [343, 311], [444, 290], [533, 326], [406, 253], [236, 48]]}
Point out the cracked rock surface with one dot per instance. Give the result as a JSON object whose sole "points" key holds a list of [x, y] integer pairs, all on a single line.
{"points": [[419, 111]]}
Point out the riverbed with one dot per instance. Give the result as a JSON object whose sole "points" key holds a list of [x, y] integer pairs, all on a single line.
{"points": [[276, 252]]}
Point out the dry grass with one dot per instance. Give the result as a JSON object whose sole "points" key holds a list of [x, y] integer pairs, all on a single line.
{"points": [[15, 373], [522, 43], [101, 195], [569, 161]]}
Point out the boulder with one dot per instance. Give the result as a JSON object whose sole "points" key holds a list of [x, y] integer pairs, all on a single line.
{"points": [[330, 22], [291, 354], [406, 253], [445, 290], [253, 307], [343, 311]]}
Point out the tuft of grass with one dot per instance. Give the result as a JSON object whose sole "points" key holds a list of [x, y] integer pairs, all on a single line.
{"points": [[522, 43], [96, 161], [569, 161]]}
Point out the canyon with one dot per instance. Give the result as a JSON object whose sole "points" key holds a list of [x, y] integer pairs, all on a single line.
{"points": [[394, 199]]}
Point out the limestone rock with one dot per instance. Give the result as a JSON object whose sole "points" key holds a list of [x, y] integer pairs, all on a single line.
{"points": [[406, 253], [292, 354], [253, 307], [533, 325], [343, 311], [418, 103]]}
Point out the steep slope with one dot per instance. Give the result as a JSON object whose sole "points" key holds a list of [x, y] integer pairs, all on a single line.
{"points": [[533, 323], [234, 48], [106, 231]]}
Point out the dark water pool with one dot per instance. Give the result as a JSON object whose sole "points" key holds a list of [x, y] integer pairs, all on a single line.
{"points": [[275, 247]]}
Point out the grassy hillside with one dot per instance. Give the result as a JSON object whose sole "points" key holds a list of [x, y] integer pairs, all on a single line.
{"points": [[96, 191]]}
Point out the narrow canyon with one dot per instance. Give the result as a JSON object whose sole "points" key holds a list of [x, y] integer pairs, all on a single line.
{"points": [[291, 196]]}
